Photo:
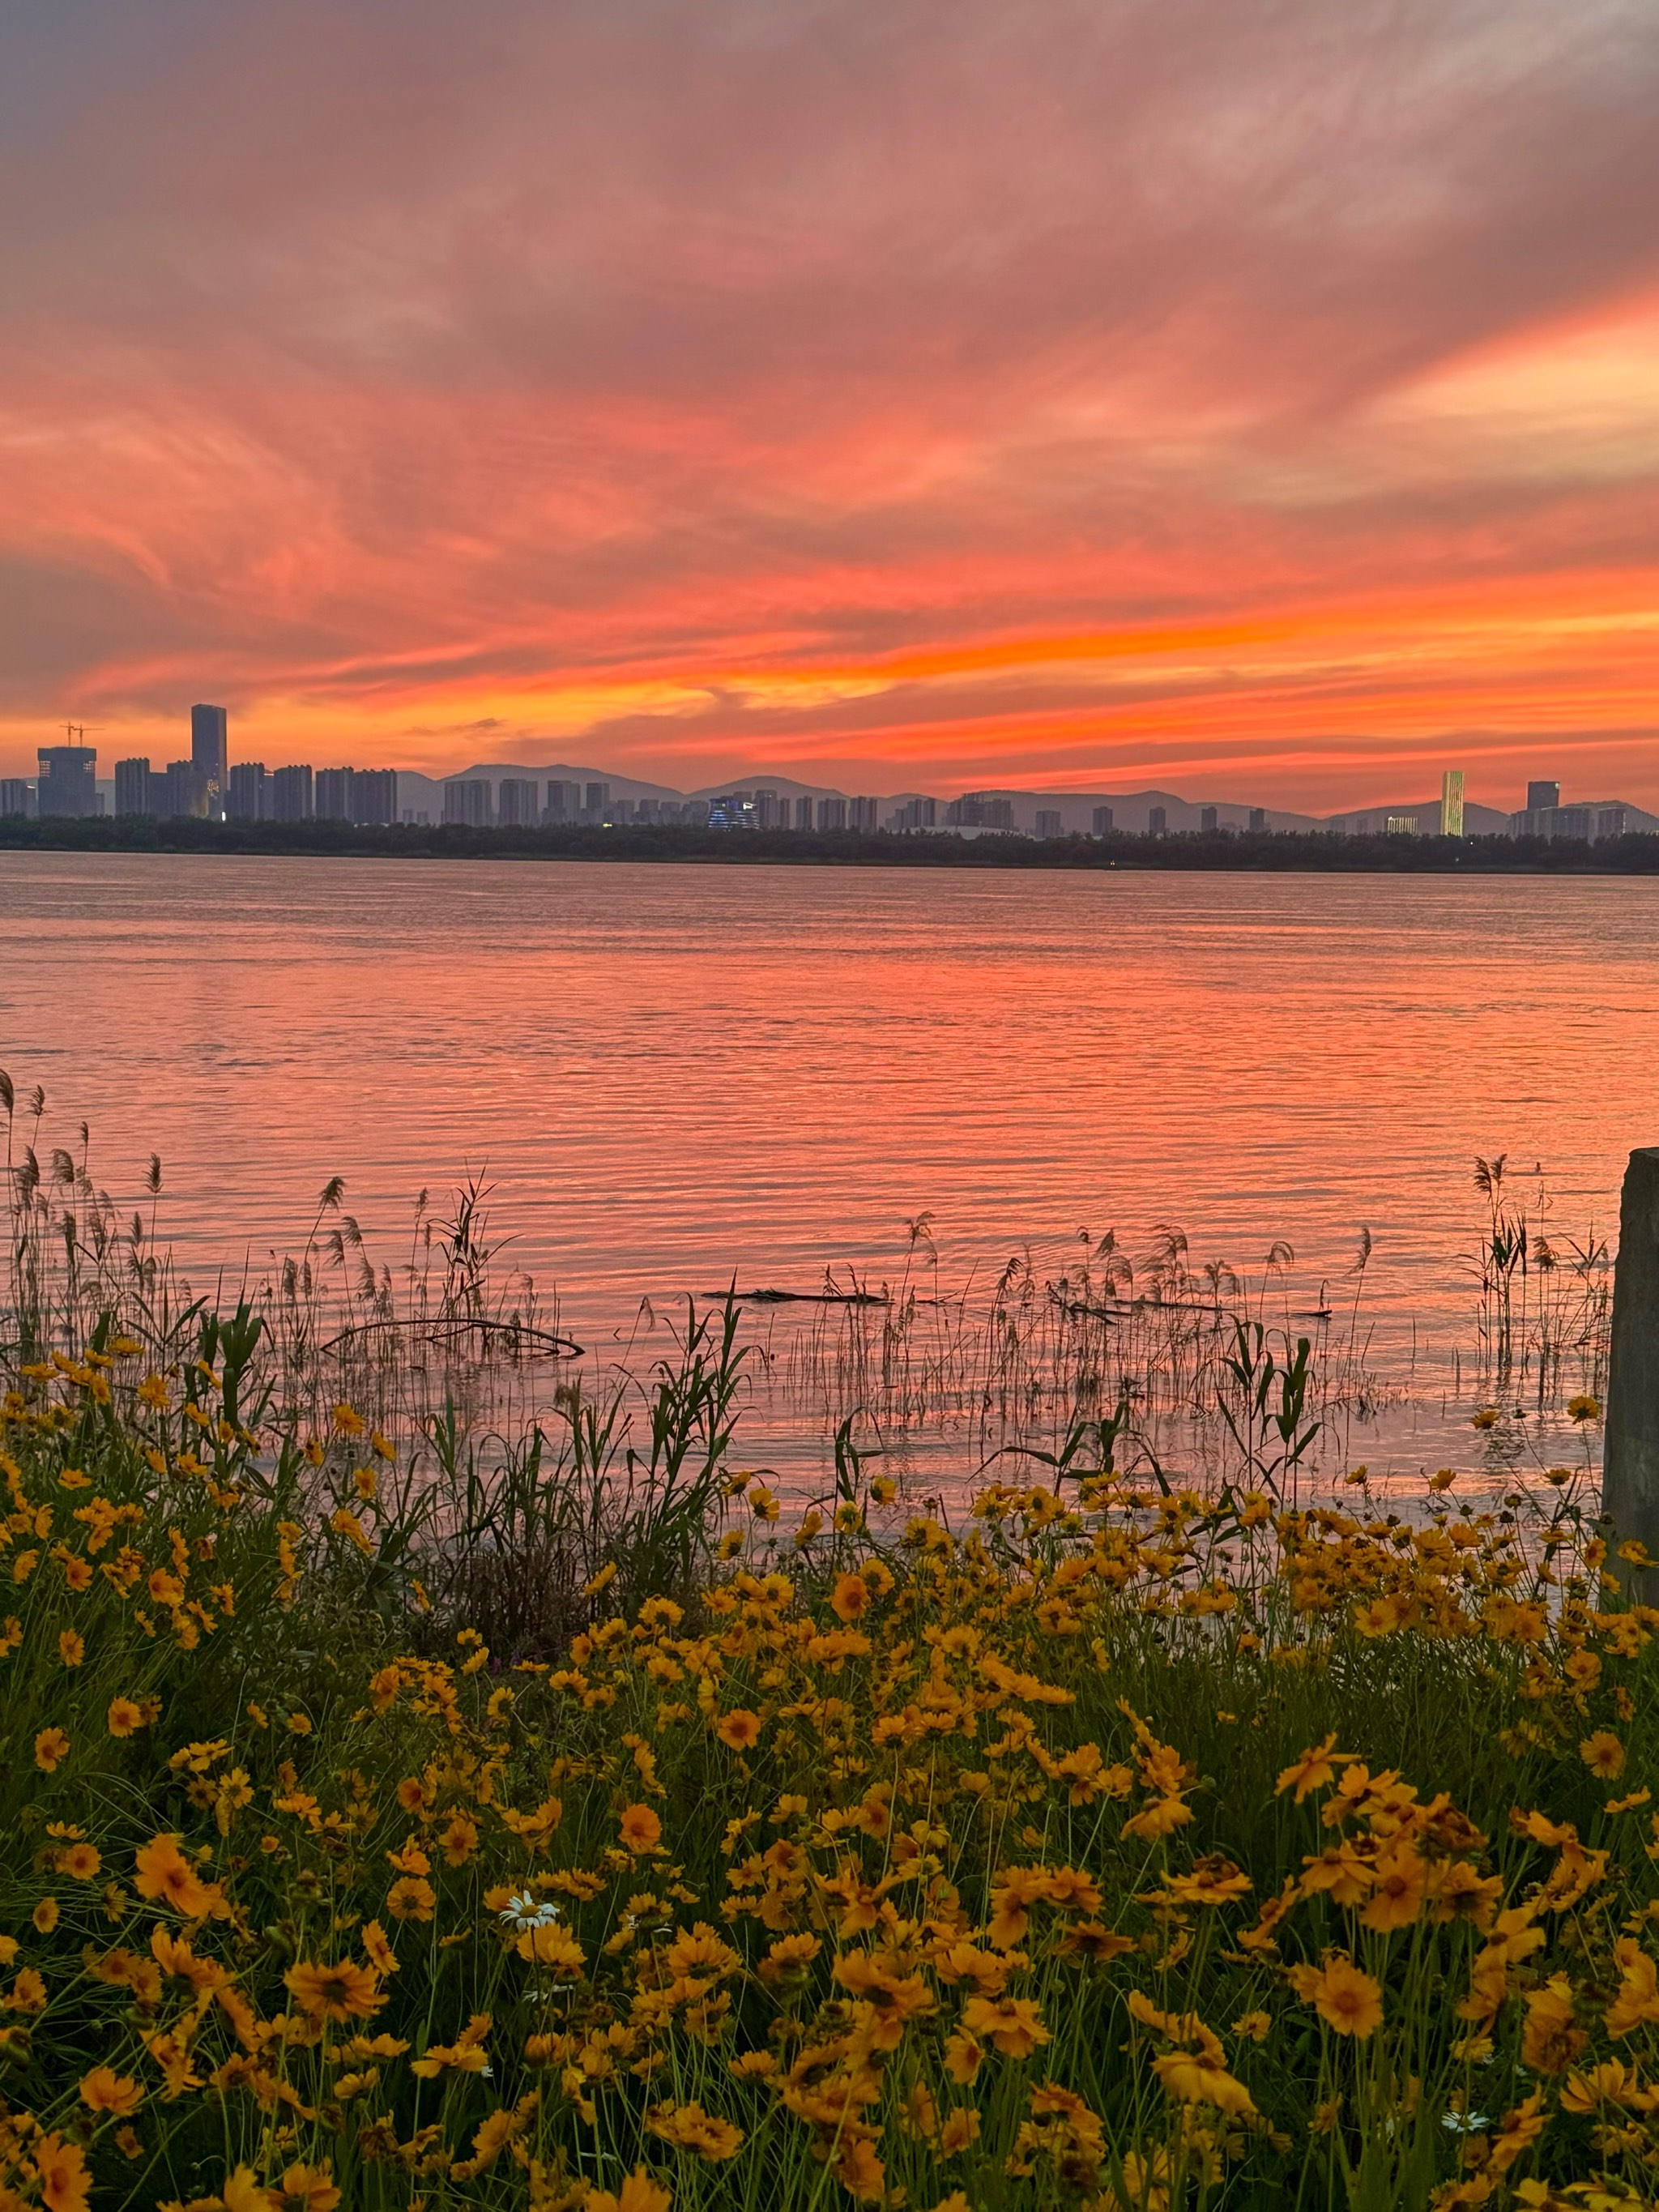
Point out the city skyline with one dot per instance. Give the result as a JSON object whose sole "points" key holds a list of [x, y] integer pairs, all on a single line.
{"points": [[1193, 395], [210, 785]]}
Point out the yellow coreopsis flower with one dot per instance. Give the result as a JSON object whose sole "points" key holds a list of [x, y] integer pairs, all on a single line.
{"points": [[1604, 1755], [1190, 2081], [51, 1749], [162, 1872], [740, 1730], [345, 1990], [1012, 2026], [104, 2090], [1344, 1998], [639, 2193], [640, 1829], [64, 2182], [688, 2127]]}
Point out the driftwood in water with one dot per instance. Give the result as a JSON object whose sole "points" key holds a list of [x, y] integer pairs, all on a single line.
{"points": [[555, 1347]]}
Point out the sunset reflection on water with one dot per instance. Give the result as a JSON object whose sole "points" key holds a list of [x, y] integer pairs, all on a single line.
{"points": [[678, 1077]]}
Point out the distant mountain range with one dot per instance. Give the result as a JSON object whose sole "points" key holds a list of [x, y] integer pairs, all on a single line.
{"points": [[422, 796], [1131, 809]]}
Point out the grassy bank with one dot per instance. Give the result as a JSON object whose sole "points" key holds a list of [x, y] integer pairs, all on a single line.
{"points": [[1115, 1847]]}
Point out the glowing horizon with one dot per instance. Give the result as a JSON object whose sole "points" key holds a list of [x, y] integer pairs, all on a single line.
{"points": [[1257, 401]]}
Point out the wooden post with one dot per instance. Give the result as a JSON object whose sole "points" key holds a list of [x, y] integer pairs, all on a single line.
{"points": [[1630, 1476]]}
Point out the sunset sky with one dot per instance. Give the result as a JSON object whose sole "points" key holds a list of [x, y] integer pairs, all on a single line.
{"points": [[1257, 397]]}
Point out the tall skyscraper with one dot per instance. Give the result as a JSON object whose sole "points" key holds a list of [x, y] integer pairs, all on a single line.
{"points": [[1103, 821], [1158, 822], [1451, 803], [1208, 819], [564, 802], [804, 811], [1048, 822], [68, 782], [1542, 794], [209, 754], [596, 798], [1258, 819]]}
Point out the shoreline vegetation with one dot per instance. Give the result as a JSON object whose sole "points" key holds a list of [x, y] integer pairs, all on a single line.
{"points": [[457, 1814], [1184, 852]]}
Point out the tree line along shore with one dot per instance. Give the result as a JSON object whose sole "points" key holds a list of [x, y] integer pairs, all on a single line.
{"points": [[1184, 852]]}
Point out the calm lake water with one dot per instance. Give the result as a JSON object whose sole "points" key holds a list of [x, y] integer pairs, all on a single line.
{"points": [[675, 1075]]}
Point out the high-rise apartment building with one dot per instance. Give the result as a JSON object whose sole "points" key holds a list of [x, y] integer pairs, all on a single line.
{"points": [[1103, 821], [518, 803], [832, 814], [803, 812], [981, 809], [564, 802], [209, 754], [1258, 820], [133, 793], [248, 798], [68, 782], [466, 802], [915, 814], [16, 796], [1596, 819], [332, 795], [1158, 822], [1208, 819], [864, 814], [1048, 822], [187, 793], [1542, 794], [595, 801], [290, 794], [766, 809], [374, 797]]}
